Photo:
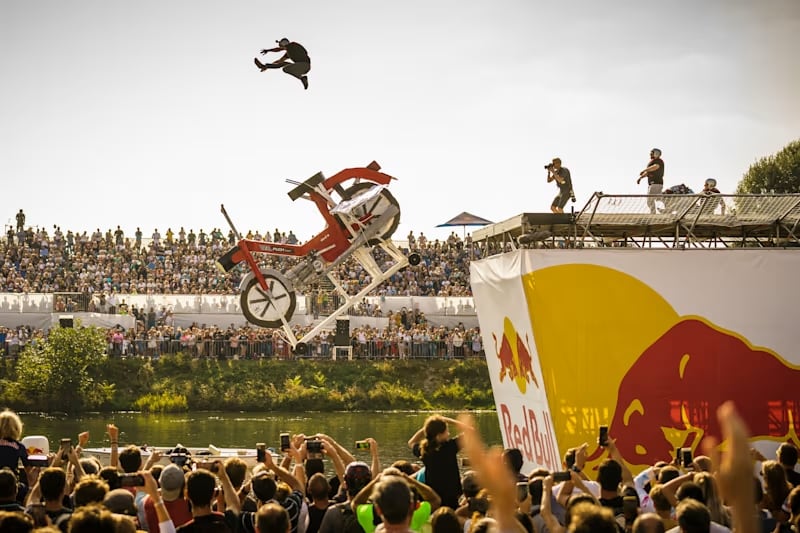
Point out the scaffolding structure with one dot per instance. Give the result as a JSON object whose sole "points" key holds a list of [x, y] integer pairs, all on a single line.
{"points": [[680, 221]]}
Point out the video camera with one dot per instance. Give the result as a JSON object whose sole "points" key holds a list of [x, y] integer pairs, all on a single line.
{"points": [[180, 459], [180, 455], [314, 448]]}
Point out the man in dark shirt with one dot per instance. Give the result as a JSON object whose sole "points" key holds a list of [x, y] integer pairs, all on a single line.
{"points": [[787, 457], [561, 175], [295, 60], [655, 177]]}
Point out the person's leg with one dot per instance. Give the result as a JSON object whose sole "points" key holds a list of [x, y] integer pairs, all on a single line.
{"points": [[562, 201], [299, 71], [654, 188], [556, 202], [265, 66]]}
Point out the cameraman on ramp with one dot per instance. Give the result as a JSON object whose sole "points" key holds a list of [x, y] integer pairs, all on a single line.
{"points": [[559, 174]]}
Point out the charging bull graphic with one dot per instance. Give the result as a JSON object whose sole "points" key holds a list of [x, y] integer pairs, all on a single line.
{"points": [[610, 349], [515, 357], [669, 397]]}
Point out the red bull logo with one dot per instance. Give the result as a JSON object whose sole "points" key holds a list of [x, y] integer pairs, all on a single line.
{"points": [[670, 395], [533, 436], [515, 358]]}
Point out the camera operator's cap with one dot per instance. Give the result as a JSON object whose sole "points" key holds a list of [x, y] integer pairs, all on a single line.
{"points": [[711, 182], [120, 501], [656, 152], [283, 42], [171, 480]]}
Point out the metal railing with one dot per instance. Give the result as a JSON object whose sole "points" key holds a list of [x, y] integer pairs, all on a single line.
{"points": [[690, 219], [280, 349]]}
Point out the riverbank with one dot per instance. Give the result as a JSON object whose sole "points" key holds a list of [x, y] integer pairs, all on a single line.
{"points": [[180, 383]]}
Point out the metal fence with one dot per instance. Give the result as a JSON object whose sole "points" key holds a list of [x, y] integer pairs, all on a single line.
{"points": [[277, 348]]}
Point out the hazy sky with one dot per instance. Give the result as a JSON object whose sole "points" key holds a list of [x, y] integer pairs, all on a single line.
{"points": [[151, 113]]}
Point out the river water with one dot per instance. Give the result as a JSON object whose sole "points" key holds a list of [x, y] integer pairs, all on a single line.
{"points": [[242, 430]]}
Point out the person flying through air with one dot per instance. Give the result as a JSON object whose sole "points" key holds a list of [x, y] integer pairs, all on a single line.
{"points": [[295, 60]]}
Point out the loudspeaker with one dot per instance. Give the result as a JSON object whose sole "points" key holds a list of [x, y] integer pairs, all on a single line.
{"points": [[342, 332], [65, 321]]}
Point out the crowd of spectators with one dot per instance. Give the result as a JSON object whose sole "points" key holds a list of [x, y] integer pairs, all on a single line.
{"points": [[314, 484], [394, 341], [38, 261]]}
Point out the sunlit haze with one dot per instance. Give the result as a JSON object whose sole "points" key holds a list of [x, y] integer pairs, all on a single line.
{"points": [[152, 113]]}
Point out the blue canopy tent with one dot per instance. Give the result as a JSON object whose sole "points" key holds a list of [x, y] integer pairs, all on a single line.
{"points": [[465, 219]]}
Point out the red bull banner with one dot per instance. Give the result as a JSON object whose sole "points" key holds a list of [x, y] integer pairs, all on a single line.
{"points": [[647, 342]]}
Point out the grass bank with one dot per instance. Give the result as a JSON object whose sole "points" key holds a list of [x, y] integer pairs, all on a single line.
{"points": [[177, 383]]}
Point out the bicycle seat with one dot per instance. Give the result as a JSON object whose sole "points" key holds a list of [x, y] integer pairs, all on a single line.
{"points": [[307, 186]]}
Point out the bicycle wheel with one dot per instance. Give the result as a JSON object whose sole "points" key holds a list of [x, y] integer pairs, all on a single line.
{"points": [[266, 308], [374, 209]]}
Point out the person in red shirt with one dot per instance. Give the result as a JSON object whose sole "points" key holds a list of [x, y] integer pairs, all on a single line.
{"points": [[171, 481]]}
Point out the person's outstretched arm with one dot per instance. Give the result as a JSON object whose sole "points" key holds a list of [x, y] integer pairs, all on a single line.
{"points": [[416, 437]]}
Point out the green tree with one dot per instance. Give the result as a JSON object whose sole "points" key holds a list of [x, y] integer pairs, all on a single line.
{"points": [[59, 373], [779, 172]]}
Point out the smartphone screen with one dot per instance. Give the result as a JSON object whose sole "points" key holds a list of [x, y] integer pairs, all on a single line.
{"points": [[131, 480], [284, 442], [522, 491], [570, 459], [602, 436], [561, 476], [261, 452], [687, 457]]}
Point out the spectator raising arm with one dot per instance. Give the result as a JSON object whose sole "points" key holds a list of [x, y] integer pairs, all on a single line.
{"points": [[155, 456], [613, 452], [373, 450], [83, 440], [113, 434], [231, 496], [332, 451], [546, 511], [165, 524], [428, 494], [343, 452], [77, 468], [283, 474], [735, 468], [495, 476]]}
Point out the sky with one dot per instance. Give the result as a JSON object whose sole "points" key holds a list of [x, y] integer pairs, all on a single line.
{"points": [[152, 113]]}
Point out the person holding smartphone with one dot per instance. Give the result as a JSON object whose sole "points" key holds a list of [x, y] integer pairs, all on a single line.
{"points": [[439, 453], [51, 487]]}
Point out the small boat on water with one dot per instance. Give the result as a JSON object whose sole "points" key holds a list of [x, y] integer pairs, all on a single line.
{"points": [[181, 455]]}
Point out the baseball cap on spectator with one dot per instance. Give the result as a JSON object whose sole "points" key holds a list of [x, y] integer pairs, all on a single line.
{"points": [[120, 501], [171, 480], [357, 475]]}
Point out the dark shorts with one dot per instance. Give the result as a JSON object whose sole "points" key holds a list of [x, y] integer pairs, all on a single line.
{"points": [[560, 200]]}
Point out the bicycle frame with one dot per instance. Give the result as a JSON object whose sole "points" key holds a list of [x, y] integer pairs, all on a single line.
{"points": [[331, 242]]}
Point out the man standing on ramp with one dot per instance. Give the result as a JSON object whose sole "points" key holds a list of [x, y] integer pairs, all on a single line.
{"points": [[295, 60]]}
